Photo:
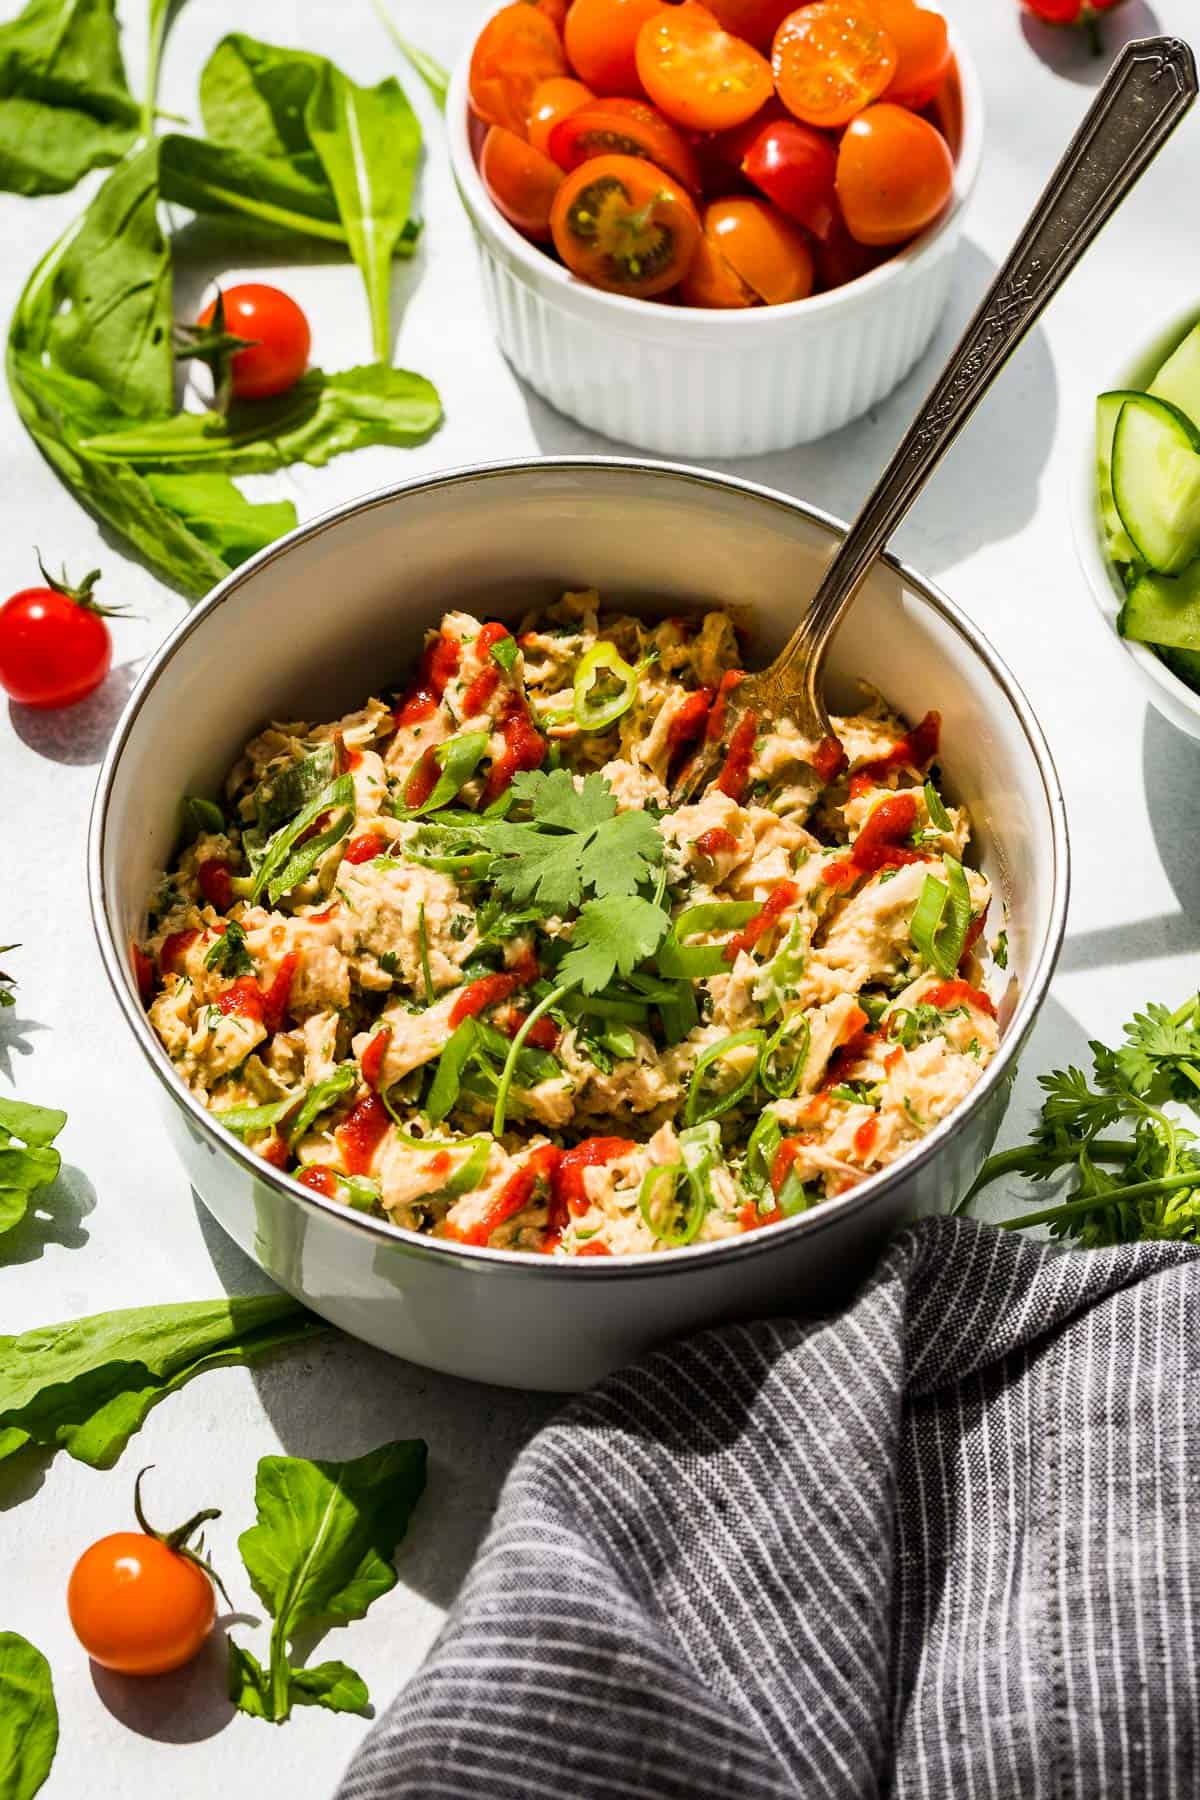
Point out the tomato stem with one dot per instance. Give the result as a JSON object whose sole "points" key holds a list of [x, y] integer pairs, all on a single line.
{"points": [[1095, 38], [177, 1540], [81, 592], [215, 346]]}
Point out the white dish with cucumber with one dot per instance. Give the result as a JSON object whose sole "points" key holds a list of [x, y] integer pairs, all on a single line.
{"points": [[1137, 515]]}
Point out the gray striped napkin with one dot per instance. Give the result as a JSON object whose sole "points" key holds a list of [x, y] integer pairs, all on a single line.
{"points": [[945, 1544]]}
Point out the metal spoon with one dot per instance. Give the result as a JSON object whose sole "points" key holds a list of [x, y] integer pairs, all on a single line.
{"points": [[1149, 88]]}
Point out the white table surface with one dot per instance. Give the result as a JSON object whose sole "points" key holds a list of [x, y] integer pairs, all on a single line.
{"points": [[123, 1227]]}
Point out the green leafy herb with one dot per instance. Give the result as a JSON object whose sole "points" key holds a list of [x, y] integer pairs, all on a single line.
{"points": [[939, 818], [229, 955], [704, 1103], [693, 962], [86, 1385], [286, 860], [285, 790], [504, 653], [321, 1553], [65, 106], [1142, 1184], [27, 1161], [427, 67], [909, 1026], [248, 1121], [577, 841], [610, 938], [942, 918], [1000, 952], [28, 1718], [458, 758], [218, 514]]}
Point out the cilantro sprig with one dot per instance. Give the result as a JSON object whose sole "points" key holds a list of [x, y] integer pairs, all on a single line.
{"points": [[1144, 1183]]}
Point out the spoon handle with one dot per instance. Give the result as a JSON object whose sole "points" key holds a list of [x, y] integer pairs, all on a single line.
{"points": [[1149, 88]]}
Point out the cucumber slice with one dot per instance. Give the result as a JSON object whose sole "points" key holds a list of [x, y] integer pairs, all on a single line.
{"points": [[1156, 481], [1185, 664], [1164, 610], [1118, 545], [1178, 381]]}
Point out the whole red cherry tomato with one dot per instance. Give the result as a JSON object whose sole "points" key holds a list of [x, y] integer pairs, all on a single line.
{"points": [[796, 167], [54, 644], [142, 1601], [1084, 13], [521, 181], [601, 38], [278, 339]]}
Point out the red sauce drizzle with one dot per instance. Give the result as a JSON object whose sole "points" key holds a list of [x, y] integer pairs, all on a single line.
{"points": [[213, 879], [714, 729], [594, 1248], [275, 999], [716, 842], [974, 933], [785, 1156], [778, 901], [881, 844], [513, 1197], [855, 1044], [946, 994], [275, 1152], [423, 779], [175, 948], [143, 973], [477, 996], [688, 723], [524, 748], [361, 1135], [750, 1219], [914, 751], [320, 1180], [544, 1035], [372, 1059], [864, 1137], [736, 774], [828, 759], [244, 1000], [362, 848], [439, 1165], [478, 696], [569, 1193], [439, 662]]}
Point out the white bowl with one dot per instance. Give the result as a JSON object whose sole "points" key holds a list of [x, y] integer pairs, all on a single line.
{"points": [[1173, 698], [690, 381], [336, 611]]}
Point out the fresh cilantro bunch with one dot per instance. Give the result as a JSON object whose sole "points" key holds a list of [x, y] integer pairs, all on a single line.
{"points": [[1144, 1183]]}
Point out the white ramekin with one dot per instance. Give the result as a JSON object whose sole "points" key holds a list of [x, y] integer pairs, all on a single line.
{"points": [[688, 381], [1173, 698]]}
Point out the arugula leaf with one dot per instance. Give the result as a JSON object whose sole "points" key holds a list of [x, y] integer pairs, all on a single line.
{"points": [[27, 1162], [285, 790], [86, 1385], [368, 140], [321, 1551], [427, 67], [254, 96], [282, 193], [28, 1718], [219, 515], [65, 106], [611, 937], [290, 857]]}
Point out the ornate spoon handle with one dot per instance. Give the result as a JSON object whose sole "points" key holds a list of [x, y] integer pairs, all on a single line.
{"points": [[1149, 88]]}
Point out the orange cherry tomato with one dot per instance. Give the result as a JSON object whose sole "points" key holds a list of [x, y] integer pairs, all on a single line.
{"points": [[516, 50], [698, 74], [601, 38], [521, 181], [553, 100], [755, 20], [763, 249], [894, 175], [923, 46], [830, 60], [625, 226], [620, 127], [555, 11], [711, 282]]}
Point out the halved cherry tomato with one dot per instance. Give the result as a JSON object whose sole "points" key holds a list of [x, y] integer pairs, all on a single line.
{"points": [[711, 282], [755, 20], [796, 167], [555, 11], [521, 181], [830, 60], [841, 258], [697, 73], [624, 128], [624, 225], [601, 38], [894, 175], [514, 52], [554, 99], [277, 354], [764, 250], [923, 46]]}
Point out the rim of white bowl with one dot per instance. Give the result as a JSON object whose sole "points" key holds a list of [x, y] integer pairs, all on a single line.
{"points": [[1105, 584], [643, 1264], [542, 270]]}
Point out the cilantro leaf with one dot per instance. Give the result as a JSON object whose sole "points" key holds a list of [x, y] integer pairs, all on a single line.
{"points": [[556, 802], [229, 954], [1157, 1045], [611, 937], [576, 841], [622, 854]]}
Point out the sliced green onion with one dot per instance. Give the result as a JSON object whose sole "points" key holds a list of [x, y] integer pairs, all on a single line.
{"points": [[458, 758], [793, 1196], [320, 1098], [761, 1151], [423, 947], [679, 1014], [471, 1171], [939, 818], [701, 1146], [597, 715], [779, 979], [782, 1062], [604, 1006], [359, 1192], [246, 1121], [475, 865], [700, 1109], [514, 1051], [692, 962], [504, 653], [447, 1077], [657, 1204], [286, 862], [941, 938]]}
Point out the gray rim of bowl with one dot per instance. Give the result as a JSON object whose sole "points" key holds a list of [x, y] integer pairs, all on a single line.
{"points": [[646, 1263]]}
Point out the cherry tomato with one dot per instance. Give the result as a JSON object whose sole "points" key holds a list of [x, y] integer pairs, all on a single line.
{"points": [[278, 353], [796, 167], [755, 20], [923, 46], [601, 38], [554, 99], [894, 175], [841, 258], [516, 50], [555, 11], [699, 75], [54, 643], [1084, 13], [762, 248], [141, 1601], [624, 225], [711, 282], [624, 128], [830, 60], [521, 181]]}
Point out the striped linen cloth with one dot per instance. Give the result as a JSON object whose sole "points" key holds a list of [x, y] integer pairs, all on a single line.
{"points": [[944, 1544]]}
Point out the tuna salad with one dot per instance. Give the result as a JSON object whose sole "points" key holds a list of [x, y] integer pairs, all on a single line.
{"points": [[456, 960]]}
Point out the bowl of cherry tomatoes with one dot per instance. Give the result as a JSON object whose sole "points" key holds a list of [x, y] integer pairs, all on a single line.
{"points": [[715, 229]]}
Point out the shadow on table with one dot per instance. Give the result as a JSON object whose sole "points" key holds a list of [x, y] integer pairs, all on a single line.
{"points": [[1070, 54], [77, 734], [185, 1707], [55, 1216], [986, 493], [16, 1038], [337, 1398], [1057, 1041]]}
